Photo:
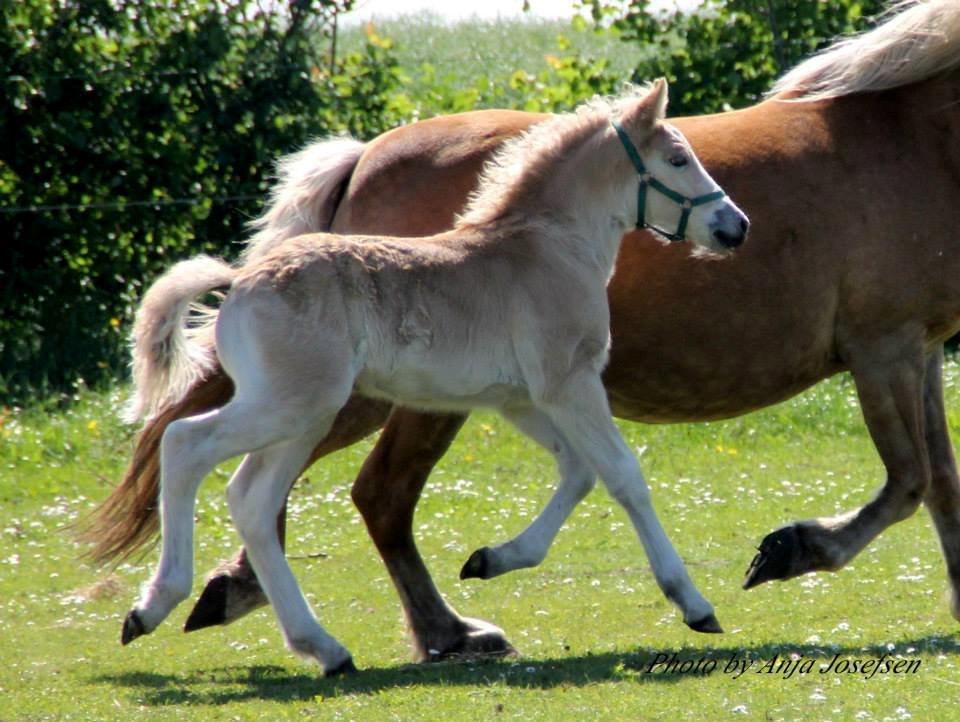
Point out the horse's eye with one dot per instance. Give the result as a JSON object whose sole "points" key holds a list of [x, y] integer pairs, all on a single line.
{"points": [[677, 161]]}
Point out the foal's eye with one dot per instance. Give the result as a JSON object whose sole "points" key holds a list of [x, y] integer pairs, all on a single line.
{"points": [[677, 161]]}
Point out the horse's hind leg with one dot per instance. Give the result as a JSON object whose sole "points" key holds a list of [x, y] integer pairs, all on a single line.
{"points": [[190, 449], [890, 382], [530, 547], [386, 493], [943, 497], [579, 410], [255, 495], [232, 589]]}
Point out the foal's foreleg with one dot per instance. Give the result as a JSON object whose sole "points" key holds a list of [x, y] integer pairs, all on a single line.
{"points": [[579, 410], [530, 547], [890, 382]]}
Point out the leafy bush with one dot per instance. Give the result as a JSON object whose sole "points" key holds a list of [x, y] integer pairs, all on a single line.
{"points": [[132, 134], [728, 53]]}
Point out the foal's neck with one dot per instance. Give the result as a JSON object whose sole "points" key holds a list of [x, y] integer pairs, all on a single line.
{"points": [[591, 197]]}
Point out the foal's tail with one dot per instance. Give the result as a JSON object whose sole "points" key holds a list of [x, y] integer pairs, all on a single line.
{"points": [[169, 356], [179, 375]]}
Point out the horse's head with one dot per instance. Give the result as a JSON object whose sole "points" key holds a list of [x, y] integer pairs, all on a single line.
{"points": [[675, 191]]}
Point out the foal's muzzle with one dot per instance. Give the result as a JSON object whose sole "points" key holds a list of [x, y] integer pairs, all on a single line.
{"points": [[729, 227]]}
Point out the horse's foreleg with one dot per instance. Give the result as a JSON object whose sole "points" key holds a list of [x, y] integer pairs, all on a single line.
{"points": [[386, 493], [232, 589], [890, 382], [943, 497], [530, 547], [579, 410]]}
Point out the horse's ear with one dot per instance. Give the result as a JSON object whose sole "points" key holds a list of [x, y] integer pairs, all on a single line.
{"points": [[650, 108]]}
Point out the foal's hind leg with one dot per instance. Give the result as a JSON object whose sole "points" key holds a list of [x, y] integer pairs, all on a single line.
{"points": [[530, 547], [255, 495], [943, 497], [232, 589], [190, 449], [890, 382], [579, 410]]}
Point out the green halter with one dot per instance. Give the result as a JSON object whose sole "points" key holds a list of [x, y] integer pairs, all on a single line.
{"points": [[685, 203]]}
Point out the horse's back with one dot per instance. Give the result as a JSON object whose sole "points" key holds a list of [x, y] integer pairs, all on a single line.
{"points": [[833, 253]]}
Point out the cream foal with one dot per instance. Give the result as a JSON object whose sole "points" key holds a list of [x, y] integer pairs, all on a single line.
{"points": [[508, 310]]}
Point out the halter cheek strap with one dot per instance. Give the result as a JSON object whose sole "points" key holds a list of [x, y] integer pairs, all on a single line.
{"points": [[686, 203]]}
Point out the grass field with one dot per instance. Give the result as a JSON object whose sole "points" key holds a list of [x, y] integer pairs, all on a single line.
{"points": [[593, 631], [471, 64]]}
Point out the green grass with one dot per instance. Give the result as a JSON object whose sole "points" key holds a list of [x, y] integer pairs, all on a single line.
{"points": [[589, 622], [480, 62]]}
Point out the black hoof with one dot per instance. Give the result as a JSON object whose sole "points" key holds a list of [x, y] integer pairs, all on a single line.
{"points": [[211, 608], [476, 566], [477, 640], [343, 669], [132, 628], [707, 625], [779, 556]]}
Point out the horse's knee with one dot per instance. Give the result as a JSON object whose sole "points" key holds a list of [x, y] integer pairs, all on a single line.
{"points": [[624, 480], [909, 491]]}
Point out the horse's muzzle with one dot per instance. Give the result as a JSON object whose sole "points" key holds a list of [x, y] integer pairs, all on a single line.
{"points": [[729, 227]]}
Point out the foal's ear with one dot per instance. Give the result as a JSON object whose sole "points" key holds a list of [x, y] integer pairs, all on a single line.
{"points": [[650, 108]]}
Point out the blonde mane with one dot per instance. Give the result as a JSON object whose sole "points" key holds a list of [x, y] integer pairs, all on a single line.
{"points": [[522, 162], [919, 39]]}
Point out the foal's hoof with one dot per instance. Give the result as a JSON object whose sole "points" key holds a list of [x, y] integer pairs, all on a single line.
{"points": [[132, 628], [708, 625], [347, 667], [477, 566], [780, 555]]}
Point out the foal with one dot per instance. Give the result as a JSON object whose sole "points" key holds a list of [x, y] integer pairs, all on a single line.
{"points": [[479, 316]]}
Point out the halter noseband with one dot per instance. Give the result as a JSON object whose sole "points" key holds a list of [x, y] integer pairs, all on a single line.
{"points": [[686, 204]]}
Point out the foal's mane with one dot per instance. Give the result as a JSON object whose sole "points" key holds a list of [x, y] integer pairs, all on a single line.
{"points": [[917, 40], [524, 161]]}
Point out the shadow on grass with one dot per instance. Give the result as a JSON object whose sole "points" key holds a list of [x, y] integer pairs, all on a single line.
{"points": [[645, 666]]}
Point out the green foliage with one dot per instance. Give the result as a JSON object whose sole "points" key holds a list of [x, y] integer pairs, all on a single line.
{"points": [[133, 134], [727, 54]]}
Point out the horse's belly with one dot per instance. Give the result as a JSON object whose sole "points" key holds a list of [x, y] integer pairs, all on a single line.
{"points": [[448, 384]]}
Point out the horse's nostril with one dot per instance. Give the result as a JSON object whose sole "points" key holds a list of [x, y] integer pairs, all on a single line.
{"points": [[744, 225], [730, 240]]}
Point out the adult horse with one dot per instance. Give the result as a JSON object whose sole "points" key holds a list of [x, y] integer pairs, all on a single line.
{"points": [[851, 176]]}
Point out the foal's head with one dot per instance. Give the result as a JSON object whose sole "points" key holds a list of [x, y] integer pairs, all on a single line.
{"points": [[675, 191]]}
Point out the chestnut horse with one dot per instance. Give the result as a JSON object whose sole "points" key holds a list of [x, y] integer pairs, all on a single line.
{"points": [[850, 174]]}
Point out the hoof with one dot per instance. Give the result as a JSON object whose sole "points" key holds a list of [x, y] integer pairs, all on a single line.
{"points": [[211, 608], [477, 565], [347, 667], [779, 556], [478, 640], [132, 628], [707, 625], [225, 599]]}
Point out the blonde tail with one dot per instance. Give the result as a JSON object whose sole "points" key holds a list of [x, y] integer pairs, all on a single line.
{"points": [[170, 355]]}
